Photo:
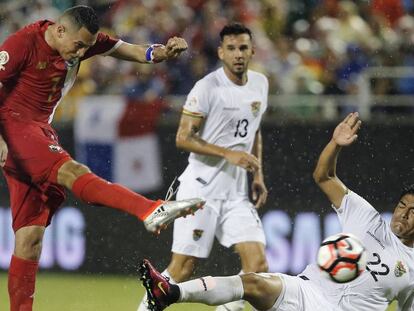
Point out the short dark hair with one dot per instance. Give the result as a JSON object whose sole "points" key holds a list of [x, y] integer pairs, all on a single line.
{"points": [[234, 29], [408, 189], [83, 16]]}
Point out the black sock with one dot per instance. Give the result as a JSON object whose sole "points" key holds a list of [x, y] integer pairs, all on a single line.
{"points": [[174, 294]]}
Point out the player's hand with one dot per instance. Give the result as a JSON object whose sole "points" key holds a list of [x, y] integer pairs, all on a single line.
{"points": [[259, 191], [243, 159], [174, 47], [3, 152], [345, 133]]}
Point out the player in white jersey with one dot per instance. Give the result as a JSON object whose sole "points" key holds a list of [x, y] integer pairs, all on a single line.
{"points": [[390, 270], [220, 126]]}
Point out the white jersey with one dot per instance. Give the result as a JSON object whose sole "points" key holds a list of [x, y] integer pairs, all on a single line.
{"points": [[232, 116], [390, 268]]}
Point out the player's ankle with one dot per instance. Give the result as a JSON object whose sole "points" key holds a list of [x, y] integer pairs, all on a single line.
{"points": [[173, 294]]}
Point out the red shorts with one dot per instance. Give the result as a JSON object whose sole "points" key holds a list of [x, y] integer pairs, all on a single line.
{"points": [[33, 161]]}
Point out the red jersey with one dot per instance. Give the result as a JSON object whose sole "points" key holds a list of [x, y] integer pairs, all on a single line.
{"points": [[34, 76]]}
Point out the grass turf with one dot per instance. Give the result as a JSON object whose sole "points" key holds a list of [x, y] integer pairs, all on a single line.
{"points": [[74, 292]]}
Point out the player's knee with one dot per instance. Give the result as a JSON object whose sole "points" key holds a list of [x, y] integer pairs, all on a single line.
{"points": [[181, 269], [70, 171], [253, 284], [261, 291], [185, 272], [29, 246]]}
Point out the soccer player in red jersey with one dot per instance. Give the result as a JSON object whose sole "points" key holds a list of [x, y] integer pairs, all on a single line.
{"points": [[38, 65]]}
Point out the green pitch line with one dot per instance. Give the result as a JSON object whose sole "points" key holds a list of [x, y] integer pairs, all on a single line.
{"points": [[73, 292]]}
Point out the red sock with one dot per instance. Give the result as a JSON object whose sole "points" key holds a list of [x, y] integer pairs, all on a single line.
{"points": [[95, 190], [22, 278]]}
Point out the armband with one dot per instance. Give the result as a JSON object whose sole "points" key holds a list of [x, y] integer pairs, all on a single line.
{"points": [[149, 53]]}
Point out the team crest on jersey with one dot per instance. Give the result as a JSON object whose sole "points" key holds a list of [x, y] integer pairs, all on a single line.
{"points": [[4, 59], [55, 148], [399, 269], [255, 108], [197, 234], [41, 65]]}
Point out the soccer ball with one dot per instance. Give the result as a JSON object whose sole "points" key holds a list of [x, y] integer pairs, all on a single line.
{"points": [[342, 257]]}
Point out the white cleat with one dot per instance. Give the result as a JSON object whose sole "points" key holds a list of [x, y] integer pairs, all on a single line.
{"points": [[165, 212], [143, 306]]}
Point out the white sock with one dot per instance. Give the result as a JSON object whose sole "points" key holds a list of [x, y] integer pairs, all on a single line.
{"points": [[168, 275], [212, 291], [233, 305]]}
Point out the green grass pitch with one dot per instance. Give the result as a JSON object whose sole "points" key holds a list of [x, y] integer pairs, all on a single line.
{"points": [[74, 292]]}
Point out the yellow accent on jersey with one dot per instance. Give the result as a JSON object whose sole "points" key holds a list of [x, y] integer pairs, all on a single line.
{"points": [[192, 114]]}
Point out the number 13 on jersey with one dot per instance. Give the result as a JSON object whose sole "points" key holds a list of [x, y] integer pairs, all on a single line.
{"points": [[241, 128]]}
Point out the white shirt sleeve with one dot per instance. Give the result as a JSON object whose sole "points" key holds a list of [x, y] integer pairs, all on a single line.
{"points": [[197, 102], [357, 216]]}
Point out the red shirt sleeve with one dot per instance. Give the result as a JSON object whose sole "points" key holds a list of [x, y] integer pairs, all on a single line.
{"points": [[104, 43], [14, 55]]}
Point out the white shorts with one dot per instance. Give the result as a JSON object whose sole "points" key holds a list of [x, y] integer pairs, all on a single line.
{"points": [[301, 295], [231, 221]]}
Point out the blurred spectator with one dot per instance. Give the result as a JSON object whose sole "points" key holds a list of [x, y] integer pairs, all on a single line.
{"points": [[307, 47], [392, 10], [144, 93]]}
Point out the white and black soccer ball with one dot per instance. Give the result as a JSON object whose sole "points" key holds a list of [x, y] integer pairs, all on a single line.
{"points": [[342, 257]]}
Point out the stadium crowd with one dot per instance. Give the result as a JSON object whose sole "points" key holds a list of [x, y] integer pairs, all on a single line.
{"points": [[304, 47]]}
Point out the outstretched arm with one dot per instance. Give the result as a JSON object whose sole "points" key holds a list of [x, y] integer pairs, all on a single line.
{"points": [[325, 171], [156, 53], [188, 139]]}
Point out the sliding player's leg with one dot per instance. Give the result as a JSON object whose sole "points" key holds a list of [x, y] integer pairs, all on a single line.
{"points": [[253, 259], [264, 291], [261, 290]]}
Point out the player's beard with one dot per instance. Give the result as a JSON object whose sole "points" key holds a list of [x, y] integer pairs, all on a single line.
{"points": [[239, 70]]}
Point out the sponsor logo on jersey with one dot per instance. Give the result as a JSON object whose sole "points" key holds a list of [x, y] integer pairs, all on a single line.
{"points": [[197, 234], [399, 269], [4, 59], [255, 108], [55, 148], [201, 181], [41, 65]]}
